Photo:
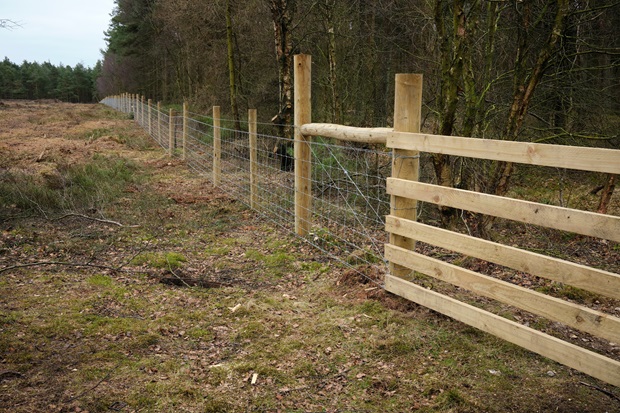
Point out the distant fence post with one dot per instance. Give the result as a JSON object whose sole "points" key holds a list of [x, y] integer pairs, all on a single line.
{"points": [[142, 111], [184, 130], [405, 163], [217, 146], [253, 158], [170, 131], [148, 104], [159, 139], [303, 155]]}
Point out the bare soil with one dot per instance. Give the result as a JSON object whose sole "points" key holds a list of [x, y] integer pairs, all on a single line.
{"points": [[174, 297]]}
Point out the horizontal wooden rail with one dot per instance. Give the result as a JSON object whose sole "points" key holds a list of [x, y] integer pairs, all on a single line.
{"points": [[577, 275], [560, 156], [573, 315], [591, 363], [566, 219], [346, 133]]}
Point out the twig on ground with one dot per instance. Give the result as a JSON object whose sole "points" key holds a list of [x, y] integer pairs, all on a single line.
{"points": [[107, 376], [103, 221], [607, 392], [68, 264], [9, 374], [140, 251], [177, 276]]}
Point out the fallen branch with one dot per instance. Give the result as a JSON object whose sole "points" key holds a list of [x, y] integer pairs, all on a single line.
{"points": [[177, 278], [191, 282], [103, 221], [607, 392], [107, 376], [9, 374], [67, 264]]}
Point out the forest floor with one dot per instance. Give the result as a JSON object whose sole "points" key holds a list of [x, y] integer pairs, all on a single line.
{"points": [[129, 284]]}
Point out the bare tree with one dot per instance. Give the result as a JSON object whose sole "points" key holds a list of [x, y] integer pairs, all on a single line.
{"points": [[9, 24]]}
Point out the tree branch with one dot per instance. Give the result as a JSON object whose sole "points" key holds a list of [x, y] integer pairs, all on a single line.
{"points": [[9, 24], [67, 264], [608, 393], [104, 221], [107, 376]]}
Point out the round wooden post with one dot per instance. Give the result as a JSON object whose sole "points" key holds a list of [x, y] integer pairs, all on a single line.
{"points": [[142, 111], [148, 104], [184, 130], [405, 163], [170, 132], [303, 155], [253, 158], [217, 147], [159, 137]]}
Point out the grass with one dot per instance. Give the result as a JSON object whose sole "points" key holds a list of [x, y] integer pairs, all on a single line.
{"points": [[97, 340], [160, 260], [69, 187]]}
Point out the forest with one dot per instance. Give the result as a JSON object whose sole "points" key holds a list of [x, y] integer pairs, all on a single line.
{"points": [[524, 70], [32, 80], [488, 65]]}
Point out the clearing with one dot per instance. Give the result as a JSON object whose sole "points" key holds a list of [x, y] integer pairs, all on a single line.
{"points": [[129, 284]]}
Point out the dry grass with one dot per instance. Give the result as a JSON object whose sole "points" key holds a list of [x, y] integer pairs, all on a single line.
{"points": [[278, 329]]}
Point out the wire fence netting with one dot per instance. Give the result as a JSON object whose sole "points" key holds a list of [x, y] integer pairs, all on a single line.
{"points": [[349, 198]]}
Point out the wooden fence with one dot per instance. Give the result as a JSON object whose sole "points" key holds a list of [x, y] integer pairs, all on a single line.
{"points": [[581, 222], [405, 190]]}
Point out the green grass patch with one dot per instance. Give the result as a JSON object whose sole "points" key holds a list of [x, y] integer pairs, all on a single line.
{"points": [[101, 281], [69, 187], [160, 260]]}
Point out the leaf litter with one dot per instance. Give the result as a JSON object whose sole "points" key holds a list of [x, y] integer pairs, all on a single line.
{"points": [[240, 335]]}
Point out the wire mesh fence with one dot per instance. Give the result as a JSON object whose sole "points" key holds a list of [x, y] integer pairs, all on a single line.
{"points": [[349, 199]]}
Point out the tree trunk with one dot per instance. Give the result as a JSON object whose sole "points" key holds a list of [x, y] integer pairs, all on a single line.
{"points": [[451, 46], [282, 15], [608, 191], [232, 74], [327, 9], [525, 85]]}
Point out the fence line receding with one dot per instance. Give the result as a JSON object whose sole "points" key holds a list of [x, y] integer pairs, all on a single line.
{"points": [[360, 194]]}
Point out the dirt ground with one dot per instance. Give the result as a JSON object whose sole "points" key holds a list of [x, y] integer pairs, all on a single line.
{"points": [[163, 294]]}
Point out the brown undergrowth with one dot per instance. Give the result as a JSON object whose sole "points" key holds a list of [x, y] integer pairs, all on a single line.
{"points": [[251, 319]]}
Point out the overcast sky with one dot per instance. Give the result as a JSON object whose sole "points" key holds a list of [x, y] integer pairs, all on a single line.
{"points": [[55, 31]]}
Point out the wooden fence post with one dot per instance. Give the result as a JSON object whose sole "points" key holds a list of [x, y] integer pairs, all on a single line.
{"points": [[184, 130], [159, 139], [217, 146], [253, 158], [148, 109], [405, 163], [170, 131], [303, 155], [142, 112]]}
